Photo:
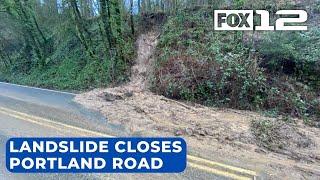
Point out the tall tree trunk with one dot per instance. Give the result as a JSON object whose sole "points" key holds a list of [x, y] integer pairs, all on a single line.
{"points": [[106, 23], [139, 6], [30, 30], [117, 17], [131, 17], [81, 29]]}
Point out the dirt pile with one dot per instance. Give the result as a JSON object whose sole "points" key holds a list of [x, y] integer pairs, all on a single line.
{"points": [[138, 109], [226, 133], [282, 137]]}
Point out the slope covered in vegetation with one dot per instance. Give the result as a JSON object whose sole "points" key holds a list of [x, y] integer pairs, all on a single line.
{"points": [[69, 45], [274, 71], [79, 45]]}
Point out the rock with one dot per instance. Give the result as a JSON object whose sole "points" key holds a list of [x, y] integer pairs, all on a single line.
{"points": [[261, 151], [178, 133], [209, 132], [139, 110], [201, 132], [128, 94], [189, 131], [112, 97]]}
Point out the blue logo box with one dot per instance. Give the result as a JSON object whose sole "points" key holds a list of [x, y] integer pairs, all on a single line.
{"points": [[96, 155]]}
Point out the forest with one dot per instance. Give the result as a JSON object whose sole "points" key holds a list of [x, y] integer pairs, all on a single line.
{"points": [[79, 45], [71, 44]]}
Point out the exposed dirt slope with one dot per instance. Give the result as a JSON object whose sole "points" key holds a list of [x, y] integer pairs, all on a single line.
{"points": [[219, 134]]}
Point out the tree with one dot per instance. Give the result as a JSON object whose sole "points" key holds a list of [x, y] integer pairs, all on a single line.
{"points": [[82, 31], [131, 17]]}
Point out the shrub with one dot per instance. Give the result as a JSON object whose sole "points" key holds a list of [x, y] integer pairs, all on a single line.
{"points": [[208, 67], [293, 53], [278, 135], [215, 68]]}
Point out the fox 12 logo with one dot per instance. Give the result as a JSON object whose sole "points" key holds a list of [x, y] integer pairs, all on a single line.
{"points": [[243, 20]]}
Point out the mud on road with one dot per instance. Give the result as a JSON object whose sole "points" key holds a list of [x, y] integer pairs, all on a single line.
{"points": [[220, 134]]}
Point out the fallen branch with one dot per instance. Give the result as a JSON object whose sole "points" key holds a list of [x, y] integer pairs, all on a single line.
{"points": [[179, 103], [157, 37]]}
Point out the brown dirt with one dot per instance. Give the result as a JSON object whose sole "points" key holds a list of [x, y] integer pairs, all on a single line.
{"points": [[219, 134]]}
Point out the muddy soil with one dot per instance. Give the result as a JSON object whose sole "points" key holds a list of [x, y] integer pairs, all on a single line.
{"points": [[219, 134]]}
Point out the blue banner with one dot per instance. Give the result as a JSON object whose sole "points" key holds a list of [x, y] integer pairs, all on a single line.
{"points": [[96, 155]]}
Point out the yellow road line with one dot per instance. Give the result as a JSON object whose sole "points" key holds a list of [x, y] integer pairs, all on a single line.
{"points": [[218, 172], [205, 163], [29, 120], [27, 117], [237, 169]]}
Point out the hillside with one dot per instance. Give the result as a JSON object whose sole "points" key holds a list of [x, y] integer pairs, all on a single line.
{"points": [[273, 145], [158, 68]]}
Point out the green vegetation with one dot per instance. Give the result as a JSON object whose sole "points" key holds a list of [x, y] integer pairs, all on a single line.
{"points": [[65, 46], [279, 136], [201, 65], [293, 53], [81, 44], [73, 44], [275, 71], [267, 135]]}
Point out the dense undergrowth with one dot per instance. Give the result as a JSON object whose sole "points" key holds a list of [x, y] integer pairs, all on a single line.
{"points": [[69, 67], [275, 71], [67, 45]]}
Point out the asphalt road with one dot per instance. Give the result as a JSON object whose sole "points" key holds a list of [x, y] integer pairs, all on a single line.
{"points": [[33, 112]]}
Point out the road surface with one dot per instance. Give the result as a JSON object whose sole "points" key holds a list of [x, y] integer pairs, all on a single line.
{"points": [[34, 112]]}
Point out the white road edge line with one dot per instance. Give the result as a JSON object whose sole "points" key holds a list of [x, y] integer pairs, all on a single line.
{"points": [[49, 90]]}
